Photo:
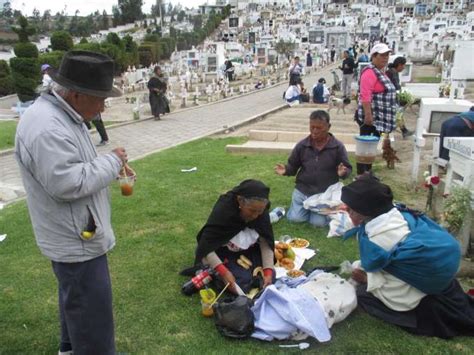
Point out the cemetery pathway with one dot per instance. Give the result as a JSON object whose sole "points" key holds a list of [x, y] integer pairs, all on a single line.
{"points": [[145, 137]]}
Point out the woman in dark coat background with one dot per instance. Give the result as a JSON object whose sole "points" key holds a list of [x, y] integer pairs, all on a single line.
{"points": [[157, 86]]}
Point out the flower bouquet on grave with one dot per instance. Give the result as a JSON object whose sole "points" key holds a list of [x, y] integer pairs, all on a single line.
{"points": [[431, 183]]}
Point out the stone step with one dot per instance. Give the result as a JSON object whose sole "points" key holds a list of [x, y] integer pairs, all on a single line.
{"points": [[266, 147], [292, 136]]}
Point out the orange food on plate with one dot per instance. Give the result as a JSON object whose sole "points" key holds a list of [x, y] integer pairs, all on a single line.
{"points": [[299, 243], [295, 273], [287, 263]]}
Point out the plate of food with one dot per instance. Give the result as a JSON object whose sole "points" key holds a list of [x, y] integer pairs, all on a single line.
{"points": [[299, 243], [295, 273]]}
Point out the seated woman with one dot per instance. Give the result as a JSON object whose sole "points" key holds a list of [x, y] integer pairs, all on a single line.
{"points": [[293, 93], [321, 92], [239, 224], [408, 265], [318, 161]]}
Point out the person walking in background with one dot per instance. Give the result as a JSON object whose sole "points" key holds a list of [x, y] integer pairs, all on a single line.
{"points": [[66, 185], [393, 71], [99, 125], [377, 99], [309, 59], [296, 70], [347, 68], [333, 54], [46, 81], [325, 56], [157, 86]]}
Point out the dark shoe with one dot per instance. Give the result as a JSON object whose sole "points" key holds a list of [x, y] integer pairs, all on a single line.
{"points": [[101, 143]]}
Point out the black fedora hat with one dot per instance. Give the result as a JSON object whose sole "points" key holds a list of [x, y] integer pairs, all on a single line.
{"points": [[88, 73]]}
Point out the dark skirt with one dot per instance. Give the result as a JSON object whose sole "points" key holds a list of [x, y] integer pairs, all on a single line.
{"points": [[243, 277], [159, 104], [446, 315]]}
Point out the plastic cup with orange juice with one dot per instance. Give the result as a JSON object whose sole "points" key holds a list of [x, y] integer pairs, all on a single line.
{"points": [[126, 180], [207, 298]]}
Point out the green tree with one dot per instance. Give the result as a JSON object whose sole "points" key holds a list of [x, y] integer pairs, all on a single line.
{"points": [[24, 30], [117, 17], [181, 15], [105, 21], [25, 67], [45, 21], [197, 22], [130, 10], [61, 41]]}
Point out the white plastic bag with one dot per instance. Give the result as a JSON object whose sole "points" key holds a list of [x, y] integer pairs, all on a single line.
{"points": [[326, 202], [340, 223]]}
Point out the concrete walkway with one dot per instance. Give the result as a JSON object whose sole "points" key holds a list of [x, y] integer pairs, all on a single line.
{"points": [[142, 138]]}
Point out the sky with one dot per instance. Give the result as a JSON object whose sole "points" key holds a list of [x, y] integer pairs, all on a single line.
{"points": [[86, 7]]}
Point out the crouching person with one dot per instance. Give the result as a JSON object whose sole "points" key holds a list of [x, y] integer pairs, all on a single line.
{"points": [[408, 265], [238, 237]]}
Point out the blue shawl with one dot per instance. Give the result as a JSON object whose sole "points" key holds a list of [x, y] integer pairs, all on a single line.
{"points": [[427, 259]]}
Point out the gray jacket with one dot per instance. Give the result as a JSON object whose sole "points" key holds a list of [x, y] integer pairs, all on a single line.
{"points": [[65, 180]]}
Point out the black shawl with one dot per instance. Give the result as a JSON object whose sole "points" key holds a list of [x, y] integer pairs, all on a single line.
{"points": [[225, 221]]}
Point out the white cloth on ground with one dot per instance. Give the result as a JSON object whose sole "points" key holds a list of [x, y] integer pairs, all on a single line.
{"points": [[279, 314], [336, 295]]}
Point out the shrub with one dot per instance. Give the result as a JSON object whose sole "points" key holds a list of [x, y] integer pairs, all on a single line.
{"points": [[84, 40], [61, 41], [93, 47], [52, 58], [25, 83], [4, 69], [26, 66], [25, 50], [6, 80], [6, 86]]}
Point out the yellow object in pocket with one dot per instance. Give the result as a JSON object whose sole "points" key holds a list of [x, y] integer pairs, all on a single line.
{"points": [[87, 235]]}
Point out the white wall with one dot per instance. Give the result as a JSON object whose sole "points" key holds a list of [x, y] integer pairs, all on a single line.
{"points": [[463, 68]]}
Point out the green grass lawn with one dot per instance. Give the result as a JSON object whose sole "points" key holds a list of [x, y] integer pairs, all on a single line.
{"points": [[155, 230], [427, 79], [7, 134]]}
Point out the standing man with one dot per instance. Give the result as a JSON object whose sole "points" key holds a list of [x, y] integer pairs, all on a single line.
{"points": [[296, 70], [333, 53], [347, 68], [66, 185]]}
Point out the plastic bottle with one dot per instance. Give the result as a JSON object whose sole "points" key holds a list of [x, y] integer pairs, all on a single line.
{"points": [[276, 214]]}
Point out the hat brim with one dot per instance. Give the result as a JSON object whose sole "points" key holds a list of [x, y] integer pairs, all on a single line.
{"points": [[381, 52], [58, 78]]}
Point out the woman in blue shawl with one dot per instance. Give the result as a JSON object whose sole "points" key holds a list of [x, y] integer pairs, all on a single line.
{"points": [[408, 265]]}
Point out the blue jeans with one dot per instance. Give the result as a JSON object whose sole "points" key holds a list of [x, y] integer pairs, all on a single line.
{"points": [[297, 213]]}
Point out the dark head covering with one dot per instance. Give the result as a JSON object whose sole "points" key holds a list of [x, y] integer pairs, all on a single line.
{"points": [[368, 197], [88, 73], [252, 188], [225, 221]]}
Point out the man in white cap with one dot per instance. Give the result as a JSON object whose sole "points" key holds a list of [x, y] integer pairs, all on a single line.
{"points": [[66, 185]]}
